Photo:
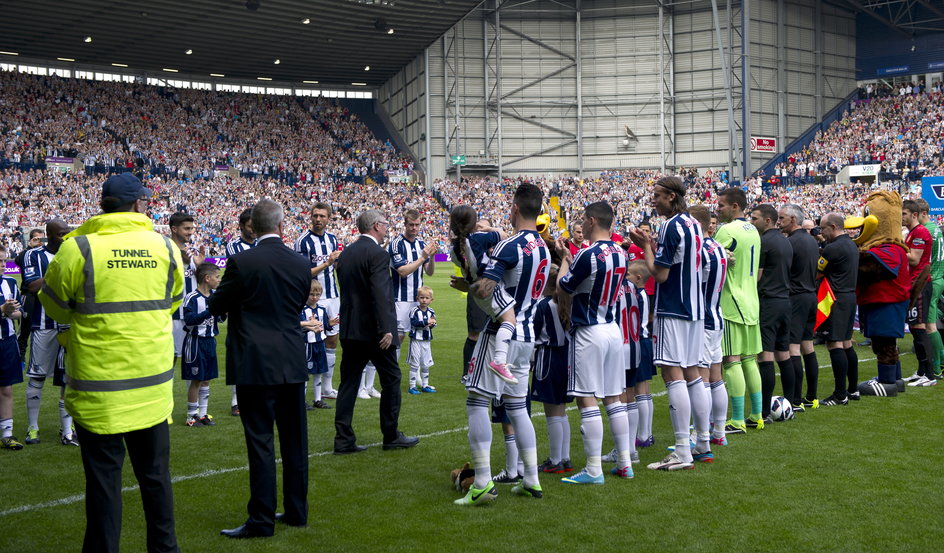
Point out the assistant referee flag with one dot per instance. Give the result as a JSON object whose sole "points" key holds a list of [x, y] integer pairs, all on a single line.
{"points": [[824, 302]]}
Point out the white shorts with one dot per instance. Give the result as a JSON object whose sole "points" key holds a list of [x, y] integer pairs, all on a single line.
{"points": [[44, 353], [178, 331], [333, 307], [421, 354], [712, 351], [677, 342], [483, 381], [595, 360], [403, 315], [495, 305]]}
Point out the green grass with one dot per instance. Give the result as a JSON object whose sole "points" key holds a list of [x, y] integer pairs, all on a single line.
{"points": [[858, 478]]}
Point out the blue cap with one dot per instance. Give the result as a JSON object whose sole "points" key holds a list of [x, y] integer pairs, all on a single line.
{"points": [[126, 187]]}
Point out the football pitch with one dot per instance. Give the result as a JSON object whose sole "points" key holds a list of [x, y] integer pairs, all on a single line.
{"points": [[843, 478]]}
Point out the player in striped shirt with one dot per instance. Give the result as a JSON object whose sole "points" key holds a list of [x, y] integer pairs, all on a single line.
{"points": [[472, 242], [181, 233], [11, 372], [321, 249], [679, 329], [314, 321], [246, 240], [422, 321], [410, 257], [517, 272], [594, 277], [714, 270], [198, 362], [44, 347]]}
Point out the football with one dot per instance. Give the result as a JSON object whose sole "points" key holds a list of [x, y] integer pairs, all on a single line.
{"points": [[780, 409]]}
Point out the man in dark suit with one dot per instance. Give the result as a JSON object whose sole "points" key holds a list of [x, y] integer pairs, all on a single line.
{"points": [[368, 333], [263, 290]]}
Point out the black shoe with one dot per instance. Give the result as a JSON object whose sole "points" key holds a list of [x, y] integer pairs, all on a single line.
{"points": [[798, 407], [280, 518], [854, 396], [309, 407], [320, 405], [833, 400], [350, 449], [401, 442], [245, 531]]}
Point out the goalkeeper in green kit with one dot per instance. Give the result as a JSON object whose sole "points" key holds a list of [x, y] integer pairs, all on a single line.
{"points": [[937, 285]]}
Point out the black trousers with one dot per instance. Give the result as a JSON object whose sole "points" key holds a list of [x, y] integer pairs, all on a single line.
{"points": [[355, 358], [284, 406], [102, 457]]}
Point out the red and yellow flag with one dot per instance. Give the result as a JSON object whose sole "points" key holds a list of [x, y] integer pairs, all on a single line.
{"points": [[824, 302]]}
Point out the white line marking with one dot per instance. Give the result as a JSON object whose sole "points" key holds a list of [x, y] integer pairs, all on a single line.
{"points": [[215, 472]]}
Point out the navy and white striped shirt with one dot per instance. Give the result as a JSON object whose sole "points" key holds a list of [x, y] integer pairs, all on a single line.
{"points": [[236, 246], [418, 321], [403, 252], [10, 291], [548, 330], [35, 265], [630, 323], [520, 264], [681, 295], [642, 299], [316, 250], [475, 249], [319, 314], [714, 271], [595, 279], [197, 318], [190, 286]]}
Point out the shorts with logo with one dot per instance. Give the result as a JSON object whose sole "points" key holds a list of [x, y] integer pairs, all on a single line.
{"points": [[483, 381], [421, 354], [198, 359], [740, 339], [316, 357], [403, 315], [838, 325], [677, 342], [178, 331], [11, 370], [59, 376], [44, 353], [711, 353], [595, 361], [803, 316], [549, 379], [475, 318], [919, 313], [646, 367], [775, 314], [333, 307]]}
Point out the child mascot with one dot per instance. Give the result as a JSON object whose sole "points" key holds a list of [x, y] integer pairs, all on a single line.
{"points": [[883, 292]]}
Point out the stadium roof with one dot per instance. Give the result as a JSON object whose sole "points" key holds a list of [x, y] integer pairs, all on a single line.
{"points": [[228, 37]]}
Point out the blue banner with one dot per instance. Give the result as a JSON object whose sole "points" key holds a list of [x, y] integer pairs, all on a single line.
{"points": [[932, 190], [936, 65], [896, 69]]}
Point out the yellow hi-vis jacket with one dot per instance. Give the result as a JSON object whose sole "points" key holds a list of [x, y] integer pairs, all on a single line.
{"points": [[116, 281]]}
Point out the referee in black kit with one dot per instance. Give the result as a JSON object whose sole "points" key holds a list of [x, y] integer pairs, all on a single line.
{"points": [[839, 264], [773, 292]]}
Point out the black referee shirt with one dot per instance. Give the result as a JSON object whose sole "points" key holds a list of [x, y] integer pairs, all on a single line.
{"points": [[776, 255], [803, 267], [841, 258]]}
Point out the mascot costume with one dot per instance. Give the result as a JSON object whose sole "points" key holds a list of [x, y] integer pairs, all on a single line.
{"points": [[883, 292]]}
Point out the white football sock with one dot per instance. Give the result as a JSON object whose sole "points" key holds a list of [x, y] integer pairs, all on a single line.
{"points": [[6, 428], [645, 414], [701, 411], [680, 411], [370, 371], [527, 440], [316, 387], [632, 418], [565, 438], [65, 419], [414, 375], [331, 354], [480, 438], [719, 408], [591, 426], [502, 341], [619, 426], [234, 402], [424, 374], [555, 438], [511, 455], [204, 401], [34, 396], [192, 408]]}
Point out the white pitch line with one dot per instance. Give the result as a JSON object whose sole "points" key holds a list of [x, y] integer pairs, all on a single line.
{"points": [[215, 472]]}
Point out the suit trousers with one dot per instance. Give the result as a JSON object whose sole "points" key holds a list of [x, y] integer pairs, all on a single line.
{"points": [[102, 458], [355, 357], [260, 407]]}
